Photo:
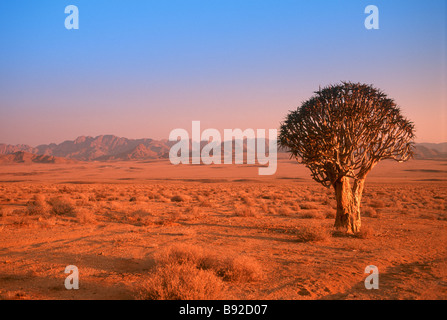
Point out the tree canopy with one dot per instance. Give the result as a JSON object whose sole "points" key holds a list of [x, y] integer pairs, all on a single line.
{"points": [[344, 130]]}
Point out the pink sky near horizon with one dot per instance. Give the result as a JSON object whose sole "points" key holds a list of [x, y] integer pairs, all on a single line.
{"points": [[215, 110]]}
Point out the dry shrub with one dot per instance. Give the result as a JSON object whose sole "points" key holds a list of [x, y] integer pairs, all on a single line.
{"points": [[184, 253], [193, 213], [85, 216], [371, 213], [183, 281], [178, 198], [265, 208], [248, 201], [242, 269], [3, 212], [364, 233], [312, 215], [139, 216], [312, 234], [204, 202], [308, 206], [239, 268], [245, 212], [330, 215], [37, 206], [285, 211], [377, 204], [62, 206], [428, 216]]}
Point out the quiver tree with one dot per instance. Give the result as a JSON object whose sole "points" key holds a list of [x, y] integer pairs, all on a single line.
{"points": [[340, 134]]}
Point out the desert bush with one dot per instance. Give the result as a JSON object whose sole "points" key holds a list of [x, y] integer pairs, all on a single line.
{"points": [[184, 253], [245, 212], [204, 202], [3, 212], [364, 233], [428, 216], [84, 216], [37, 206], [265, 208], [242, 269], [184, 281], [62, 206], [193, 213], [312, 234], [312, 215], [330, 214], [178, 198], [371, 213], [285, 211], [247, 200], [239, 268], [377, 204], [308, 206]]}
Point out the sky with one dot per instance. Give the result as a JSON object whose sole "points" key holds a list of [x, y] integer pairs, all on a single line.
{"points": [[139, 69]]}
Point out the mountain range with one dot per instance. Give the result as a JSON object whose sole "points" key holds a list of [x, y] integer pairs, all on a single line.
{"points": [[110, 147]]}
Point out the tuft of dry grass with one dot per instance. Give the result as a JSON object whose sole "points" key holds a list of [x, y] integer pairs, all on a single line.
{"points": [[184, 253], [330, 214], [85, 216], [312, 234], [178, 198], [364, 233], [230, 268], [241, 269], [37, 206], [187, 272], [62, 205], [308, 206], [285, 211], [312, 215], [174, 281], [193, 213], [377, 204], [245, 211], [372, 213], [3, 212], [248, 201]]}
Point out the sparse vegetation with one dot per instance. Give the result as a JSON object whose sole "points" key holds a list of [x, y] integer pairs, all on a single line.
{"points": [[182, 282], [312, 233], [62, 205], [187, 250]]}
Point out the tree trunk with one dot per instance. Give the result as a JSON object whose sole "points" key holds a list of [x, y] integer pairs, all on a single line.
{"points": [[348, 204]]}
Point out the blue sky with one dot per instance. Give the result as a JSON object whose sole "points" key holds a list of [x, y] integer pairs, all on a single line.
{"points": [[142, 68]]}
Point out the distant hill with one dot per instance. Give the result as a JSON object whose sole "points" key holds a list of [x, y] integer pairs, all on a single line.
{"points": [[26, 157], [110, 147], [106, 147], [440, 147]]}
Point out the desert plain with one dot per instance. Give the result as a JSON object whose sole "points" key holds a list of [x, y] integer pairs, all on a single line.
{"points": [[152, 230]]}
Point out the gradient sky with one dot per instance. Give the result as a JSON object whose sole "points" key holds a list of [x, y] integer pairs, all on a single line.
{"points": [[142, 68]]}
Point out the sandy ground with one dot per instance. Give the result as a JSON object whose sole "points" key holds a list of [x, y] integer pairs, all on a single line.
{"points": [[124, 213]]}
